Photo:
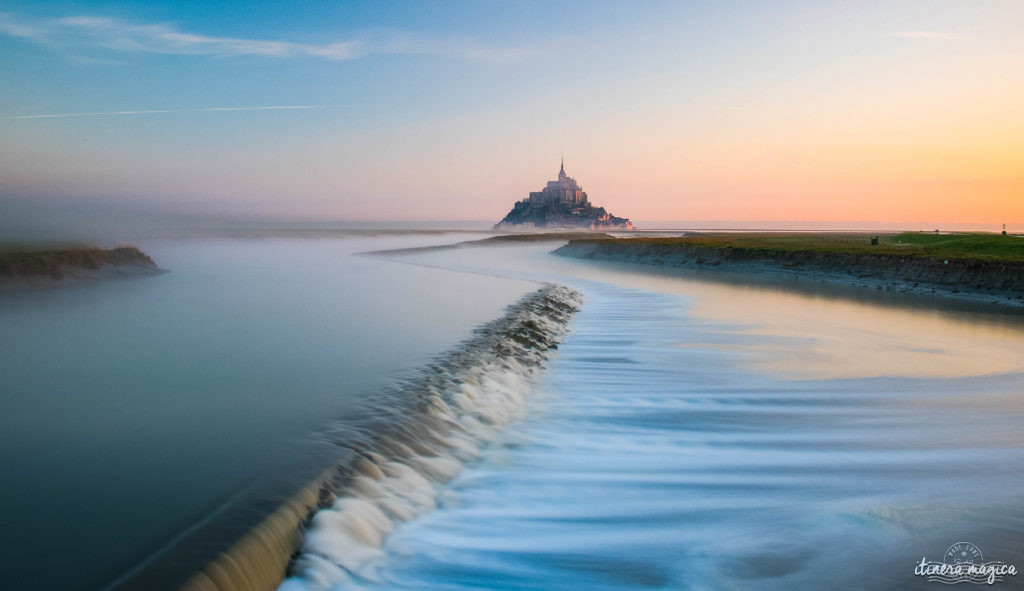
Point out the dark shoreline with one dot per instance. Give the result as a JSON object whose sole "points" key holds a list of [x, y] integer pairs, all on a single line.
{"points": [[992, 282]]}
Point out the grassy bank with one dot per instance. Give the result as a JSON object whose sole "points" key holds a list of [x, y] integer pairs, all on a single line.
{"points": [[967, 246], [980, 267], [55, 263]]}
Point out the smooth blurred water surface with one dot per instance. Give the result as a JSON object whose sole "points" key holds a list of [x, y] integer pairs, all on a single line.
{"points": [[694, 433], [132, 408]]}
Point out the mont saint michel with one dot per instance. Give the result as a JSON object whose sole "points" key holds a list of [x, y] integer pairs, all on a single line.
{"points": [[561, 204]]}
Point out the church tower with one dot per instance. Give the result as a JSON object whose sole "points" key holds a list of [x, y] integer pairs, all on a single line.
{"points": [[562, 203]]}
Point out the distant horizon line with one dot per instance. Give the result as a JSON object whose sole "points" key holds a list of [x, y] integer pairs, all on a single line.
{"points": [[720, 224]]}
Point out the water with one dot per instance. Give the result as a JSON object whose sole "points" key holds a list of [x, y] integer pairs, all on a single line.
{"points": [[134, 409], [691, 432], [465, 402], [696, 434]]}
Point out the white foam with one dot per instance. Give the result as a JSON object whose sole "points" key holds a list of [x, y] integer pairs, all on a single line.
{"points": [[401, 478]]}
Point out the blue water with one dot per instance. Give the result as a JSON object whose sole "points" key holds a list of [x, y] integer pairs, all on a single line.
{"points": [[134, 409], [692, 434], [689, 433]]}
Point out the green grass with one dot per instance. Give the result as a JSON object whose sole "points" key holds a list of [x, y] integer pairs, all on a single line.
{"points": [[981, 246], [978, 246]]}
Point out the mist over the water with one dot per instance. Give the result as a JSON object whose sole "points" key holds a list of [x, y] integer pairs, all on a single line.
{"points": [[694, 433], [134, 408], [108, 222], [277, 407], [690, 431]]}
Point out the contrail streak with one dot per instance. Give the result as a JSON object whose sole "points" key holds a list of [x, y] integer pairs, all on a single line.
{"points": [[153, 111]]}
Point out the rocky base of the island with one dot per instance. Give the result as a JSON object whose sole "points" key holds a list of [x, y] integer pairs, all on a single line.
{"points": [[971, 279], [49, 266]]}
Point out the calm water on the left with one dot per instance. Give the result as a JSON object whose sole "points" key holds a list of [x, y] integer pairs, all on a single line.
{"points": [[134, 408]]}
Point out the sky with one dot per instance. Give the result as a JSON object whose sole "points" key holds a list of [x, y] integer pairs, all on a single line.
{"points": [[891, 111]]}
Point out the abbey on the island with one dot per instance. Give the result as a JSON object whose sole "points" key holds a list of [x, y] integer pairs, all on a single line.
{"points": [[565, 190], [561, 203]]}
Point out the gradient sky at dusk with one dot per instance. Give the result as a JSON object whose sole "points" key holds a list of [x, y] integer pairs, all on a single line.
{"points": [[833, 111]]}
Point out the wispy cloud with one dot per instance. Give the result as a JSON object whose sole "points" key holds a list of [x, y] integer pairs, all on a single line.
{"points": [[155, 111], [927, 35], [75, 34]]}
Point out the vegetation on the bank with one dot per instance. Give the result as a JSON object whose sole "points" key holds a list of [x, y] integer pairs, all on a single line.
{"points": [[980, 246], [54, 262]]}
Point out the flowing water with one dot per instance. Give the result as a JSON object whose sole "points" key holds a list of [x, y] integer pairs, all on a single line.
{"points": [[697, 434], [134, 409], [689, 431]]}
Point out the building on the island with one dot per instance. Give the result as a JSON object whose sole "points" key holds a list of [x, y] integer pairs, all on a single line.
{"points": [[565, 190], [561, 203]]}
